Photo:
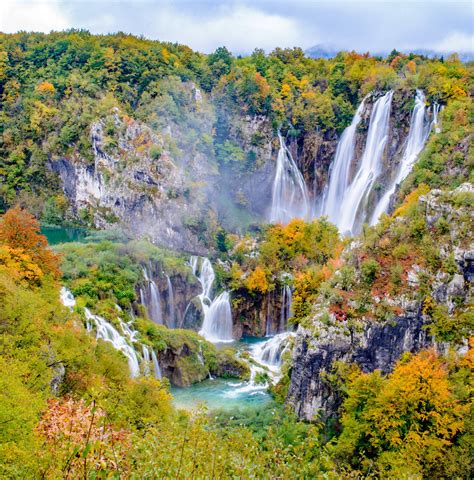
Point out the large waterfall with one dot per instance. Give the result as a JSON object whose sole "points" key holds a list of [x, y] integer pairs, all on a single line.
{"points": [[370, 166], [340, 170], [290, 198], [217, 324], [417, 136]]}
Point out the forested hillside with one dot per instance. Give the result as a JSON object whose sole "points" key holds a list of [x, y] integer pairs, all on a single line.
{"points": [[211, 193]]}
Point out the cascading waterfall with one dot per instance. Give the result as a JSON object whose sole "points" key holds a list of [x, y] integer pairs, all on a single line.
{"points": [[124, 343], [270, 353], [149, 358], [435, 126], [340, 169], [67, 298], [290, 198], [286, 304], [107, 332], [370, 165], [154, 304], [417, 136], [217, 324], [171, 305]]}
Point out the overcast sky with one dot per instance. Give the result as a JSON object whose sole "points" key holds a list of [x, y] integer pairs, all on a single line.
{"points": [[242, 25]]}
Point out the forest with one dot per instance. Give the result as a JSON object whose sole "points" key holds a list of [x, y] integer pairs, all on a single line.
{"points": [[161, 156]]}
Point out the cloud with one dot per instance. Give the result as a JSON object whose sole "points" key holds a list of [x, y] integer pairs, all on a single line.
{"points": [[241, 29], [32, 15], [456, 42]]}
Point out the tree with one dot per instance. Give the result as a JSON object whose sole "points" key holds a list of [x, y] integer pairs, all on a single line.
{"points": [[19, 230]]}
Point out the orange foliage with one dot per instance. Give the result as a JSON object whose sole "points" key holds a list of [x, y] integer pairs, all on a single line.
{"points": [[45, 87], [83, 436], [19, 230]]}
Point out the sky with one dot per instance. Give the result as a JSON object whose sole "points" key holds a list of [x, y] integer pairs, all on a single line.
{"points": [[243, 25]]}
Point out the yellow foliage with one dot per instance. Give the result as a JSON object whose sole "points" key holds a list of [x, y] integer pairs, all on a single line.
{"points": [[257, 281], [19, 266], [45, 87], [411, 199]]}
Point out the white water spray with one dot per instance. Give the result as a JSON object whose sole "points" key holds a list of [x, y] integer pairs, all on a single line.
{"points": [[417, 136], [290, 198], [340, 170], [217, 324], [370, 166]]}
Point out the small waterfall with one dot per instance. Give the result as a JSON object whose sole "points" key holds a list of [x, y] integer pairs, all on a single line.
{"points": [[67, 298], [417, 136], [435, 126], [217, 324], [156, 366], [340, 169], [370, 166], [151, 359], [286, 303], [290, 198], [154, 304], [270, 353], [171, 305], [107, 332]]}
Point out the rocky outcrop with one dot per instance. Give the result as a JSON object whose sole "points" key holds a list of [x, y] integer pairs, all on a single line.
{"points": [[378, 346]]}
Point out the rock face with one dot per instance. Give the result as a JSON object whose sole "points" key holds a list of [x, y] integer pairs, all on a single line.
{"points": [[378, 346]]}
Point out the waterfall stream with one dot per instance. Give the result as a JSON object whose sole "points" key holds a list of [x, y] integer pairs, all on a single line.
{"points": [[152, 302], [171, 304], [340, 170], [417, 136], [217, 324], [290, 198], [124, 343], [352, 211]]}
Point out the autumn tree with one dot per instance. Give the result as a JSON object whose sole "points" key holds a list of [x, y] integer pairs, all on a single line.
{"points": [[20, 231]]}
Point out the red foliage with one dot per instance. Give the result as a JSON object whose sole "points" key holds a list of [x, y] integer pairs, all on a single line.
{"points": [[20, 230]]}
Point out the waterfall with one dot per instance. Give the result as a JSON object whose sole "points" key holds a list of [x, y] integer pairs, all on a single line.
{"points": [[340, 169], [435, 126], [370, 165], [154, 304], [286, 302], [67, 298], [217, 324], [156, 365], [171, 306], [290, 198], [107, 332], [417, 136], [270, 353]]}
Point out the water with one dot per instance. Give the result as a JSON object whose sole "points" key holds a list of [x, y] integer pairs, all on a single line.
{"points": [[67, 298], [353, 208], [286, 304], [417, 136], [124, 343], [230, 394], [57, 235], [340, 170], [171, 305], [290, 198], [152, 301], [107, 332], [217, 324]]}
